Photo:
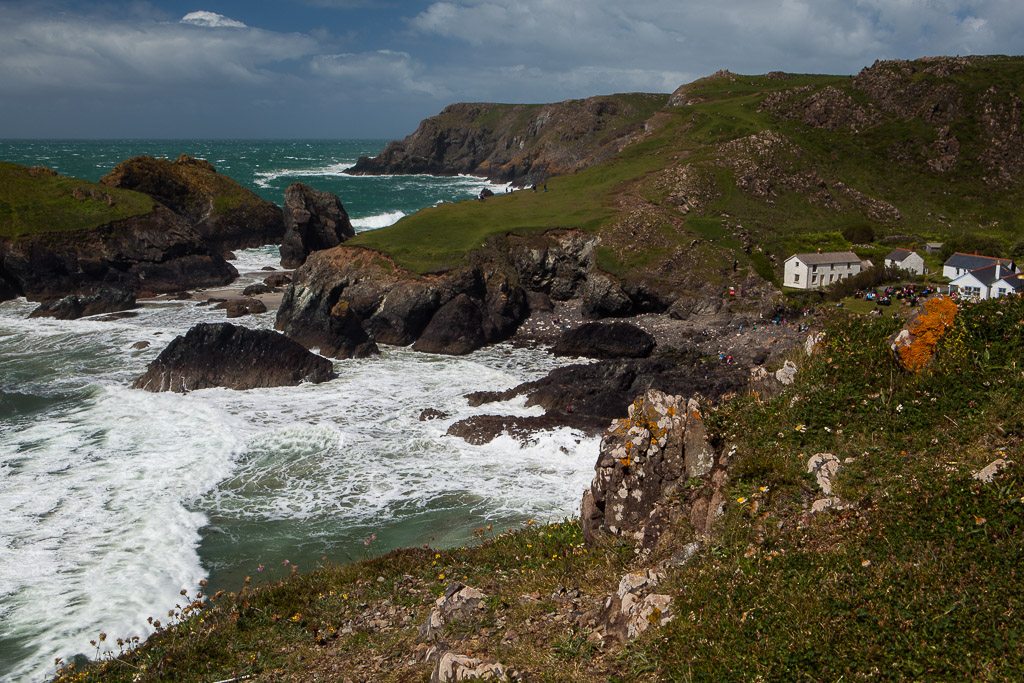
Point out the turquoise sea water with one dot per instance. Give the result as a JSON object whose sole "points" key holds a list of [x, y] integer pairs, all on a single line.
{"points": [[112, 500]]}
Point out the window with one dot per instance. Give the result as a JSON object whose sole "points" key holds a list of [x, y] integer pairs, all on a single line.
{"points": [[814, 269], [814, 278], [796, 277]]}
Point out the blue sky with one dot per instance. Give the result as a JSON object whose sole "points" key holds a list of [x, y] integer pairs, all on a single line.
{"points": [[359, 68]]}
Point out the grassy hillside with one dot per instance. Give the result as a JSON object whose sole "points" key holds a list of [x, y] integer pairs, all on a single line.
{"points": [[752, 168], [37, 200], [919, 578]]}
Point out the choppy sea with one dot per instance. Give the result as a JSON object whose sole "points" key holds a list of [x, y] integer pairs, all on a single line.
{"points": [[112, 500]]}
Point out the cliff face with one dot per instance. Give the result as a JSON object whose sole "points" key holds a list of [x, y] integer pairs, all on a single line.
{"points": [[518, 143], [226, 215]]}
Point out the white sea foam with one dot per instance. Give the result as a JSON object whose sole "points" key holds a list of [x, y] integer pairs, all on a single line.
{"points": [[117, 499], [381, 220], [265, 178]]}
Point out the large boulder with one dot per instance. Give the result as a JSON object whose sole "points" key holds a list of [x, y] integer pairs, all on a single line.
{"points": [[604, 298], [225, 355], [605, 340], [226, 214], [314, 220]]}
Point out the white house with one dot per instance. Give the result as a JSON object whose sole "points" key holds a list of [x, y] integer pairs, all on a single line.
{"points": [[906, 259], [1011, 284], [986, 283], [960, 264], [812, 271]]}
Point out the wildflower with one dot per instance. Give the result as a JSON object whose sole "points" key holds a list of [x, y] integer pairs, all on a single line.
{"points": [[865, 563], [741, 499], [370, 540], [801, 428], [259, 568], [899, 408], [764, 489], [828, 429], [440, 576], [286, 563]]}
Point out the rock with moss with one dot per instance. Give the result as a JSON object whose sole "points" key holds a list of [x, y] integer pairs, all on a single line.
{"points": [[914, 346], [226, 214], [314, 220]]}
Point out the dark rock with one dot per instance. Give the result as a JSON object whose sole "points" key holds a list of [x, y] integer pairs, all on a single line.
{"points": [[268, 268], [225, 355], [603, 298], [225, 214], [405, 312], [253, 290], [539, 302], [181, 296], [147, 254], [278, 280], [587, 397], [314, 220], [432, 414], [236, 308], [138, 346], [73, 306], [456, 328], [605, 340]]}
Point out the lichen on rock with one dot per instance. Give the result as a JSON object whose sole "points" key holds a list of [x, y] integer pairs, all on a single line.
{"points": [[914, 345]]}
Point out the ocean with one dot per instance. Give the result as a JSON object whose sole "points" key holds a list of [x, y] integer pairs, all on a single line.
{"points": [[113, 500]]}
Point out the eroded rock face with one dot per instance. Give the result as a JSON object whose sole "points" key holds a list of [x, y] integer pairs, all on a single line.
{"points": [[643, 460], [226, 214], [634, 608], [453, 667], [605, 340], [224, 355], [456, 328], [314, 220], [458, 602], [153, 253]]}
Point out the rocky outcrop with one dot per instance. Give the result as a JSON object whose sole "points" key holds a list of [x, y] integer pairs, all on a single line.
{"points": [[148, 254], [458, 602], [644, 459], [605, 340], [914, 346], [225, 214], [73, 306], [342, 297], [314, 220], [634, 607], [224, 355], [587, 397], [521, 144]]}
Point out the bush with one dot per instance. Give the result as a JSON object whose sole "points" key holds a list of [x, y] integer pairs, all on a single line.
{"points": [[860, 233]]}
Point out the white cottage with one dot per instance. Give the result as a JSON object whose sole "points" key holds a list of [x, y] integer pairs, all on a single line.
{"points": [[906, 259], [984, 283], [813, 271], [960, 264]]}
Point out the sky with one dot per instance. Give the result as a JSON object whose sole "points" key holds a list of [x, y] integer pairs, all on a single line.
{"points": [[374, 69]]}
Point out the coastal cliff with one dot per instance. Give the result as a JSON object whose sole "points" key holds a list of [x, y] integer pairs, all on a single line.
{"points": [[517, 143]]}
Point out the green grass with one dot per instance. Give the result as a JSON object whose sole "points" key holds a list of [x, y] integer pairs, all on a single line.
{"points": [[32, 203]]}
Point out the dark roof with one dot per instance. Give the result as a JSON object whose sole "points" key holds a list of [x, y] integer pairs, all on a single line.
{"points": [[1016, 281], [973, 261], [988, 274], [828, 257], [898, 254]]}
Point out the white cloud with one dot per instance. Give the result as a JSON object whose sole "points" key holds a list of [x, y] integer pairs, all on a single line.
{"points": [[381, 71], [62, 51], [211, 20]]}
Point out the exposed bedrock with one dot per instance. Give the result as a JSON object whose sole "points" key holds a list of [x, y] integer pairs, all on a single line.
{"points": [[605, 340], [314, 220], [225, 355], [74, 306], [588, 397], [645, 459], [143, 255]]}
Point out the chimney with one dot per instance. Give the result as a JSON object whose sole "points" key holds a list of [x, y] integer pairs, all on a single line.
{"points": [[819, 250]]}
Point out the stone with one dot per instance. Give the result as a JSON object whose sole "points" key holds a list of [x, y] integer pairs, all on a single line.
{"points": [[459, 601], [455, 667], [314, 220], [253, 290], [824, 467], [432, 414], [74, 306], [914, 345], [823, 504], [603, 298], [605, 340], [225, 355], [786, 373], [278, 280], [633, 608], [987, 474], [236, 308]]}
